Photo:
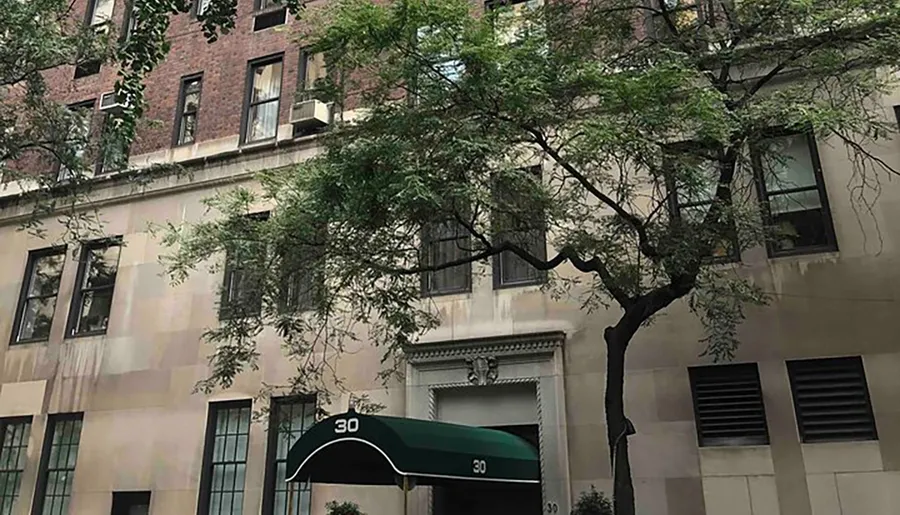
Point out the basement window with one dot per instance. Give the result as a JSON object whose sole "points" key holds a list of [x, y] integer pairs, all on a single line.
{"points": [[728, 405], [831, 400]]}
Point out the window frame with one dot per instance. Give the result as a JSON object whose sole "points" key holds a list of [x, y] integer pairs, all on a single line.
{"points": [[425, 277], [40, 487], [271, 470], [228, 270], [100, 165], [497, 259], [209, 441], [302, 92], [196, 10], [179, 109], [252, 65], [78, 291], [675, 206], [90, 11], [33, 257], [90, 107], [5, 423], [759, 178]]}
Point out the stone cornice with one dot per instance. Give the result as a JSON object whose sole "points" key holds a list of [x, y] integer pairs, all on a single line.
{"points": [[511, 345]]}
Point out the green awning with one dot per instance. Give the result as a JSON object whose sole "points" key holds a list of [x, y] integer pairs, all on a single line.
{"points": [[357, 449]]}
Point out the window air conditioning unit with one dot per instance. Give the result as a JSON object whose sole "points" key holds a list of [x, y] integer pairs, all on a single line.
{"points": [[109, 103], [309, 114]]}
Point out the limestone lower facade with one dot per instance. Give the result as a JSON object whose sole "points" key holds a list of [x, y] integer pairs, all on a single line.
{"points": [[122, 395]]}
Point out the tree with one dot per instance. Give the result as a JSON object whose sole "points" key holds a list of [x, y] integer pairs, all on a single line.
{"points": [[47, 149], [650, 121]]}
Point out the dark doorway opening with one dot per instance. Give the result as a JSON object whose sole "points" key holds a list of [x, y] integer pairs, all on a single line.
{"points": [[474, 498], [131, 503]]}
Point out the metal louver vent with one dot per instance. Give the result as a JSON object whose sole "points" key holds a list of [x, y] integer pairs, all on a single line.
{"points": [[831, 400], [728, 405]]}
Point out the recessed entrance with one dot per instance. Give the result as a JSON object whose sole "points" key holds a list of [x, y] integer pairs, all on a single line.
{"points": [[491, 499]]}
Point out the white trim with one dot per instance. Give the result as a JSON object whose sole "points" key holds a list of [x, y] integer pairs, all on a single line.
{"points": [[400, 472]]}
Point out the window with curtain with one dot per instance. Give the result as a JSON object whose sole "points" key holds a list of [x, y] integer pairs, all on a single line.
{"points": [[789, 179], [312, 69], [53, 491], [13, 454], [263, 100], [289, 418], [37, 302], [225, 458], [95, 283], [445, 242]]}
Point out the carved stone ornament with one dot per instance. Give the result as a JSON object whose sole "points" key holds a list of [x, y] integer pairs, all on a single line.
{"points": [[482, 370]]}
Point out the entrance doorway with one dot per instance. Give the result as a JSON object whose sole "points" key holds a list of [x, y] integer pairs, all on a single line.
{"points": [[473, 498]]}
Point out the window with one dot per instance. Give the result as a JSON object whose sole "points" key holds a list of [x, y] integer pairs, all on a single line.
{"points": [[113, 149], [681, 13], [77, 139], [789, 179], [728, 405], [270, 18], [269, 14], [303, 280], [129, 24], [100, 11], [13, 454], [831, 399], [200, 7], [53, 490], [37, 301], [188, 107], [289, 418], [95, 282], [694, 181], [516, 221], [445, 242], [130, 503], [240, 295], [312, 69], [514, 18], [225, 458], [87, 68], [897, 114], [263, 100]]}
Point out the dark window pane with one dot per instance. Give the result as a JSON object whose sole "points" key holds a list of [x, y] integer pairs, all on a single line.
{"points": [[95, 308], [37, 317], [103, 264], [443, 243], [188, 128]]}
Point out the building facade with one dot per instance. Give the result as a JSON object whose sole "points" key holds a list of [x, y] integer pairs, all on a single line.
{"points": [[98, 415]]}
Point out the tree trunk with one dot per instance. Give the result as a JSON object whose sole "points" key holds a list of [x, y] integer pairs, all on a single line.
{"points": [[616, 425]]}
